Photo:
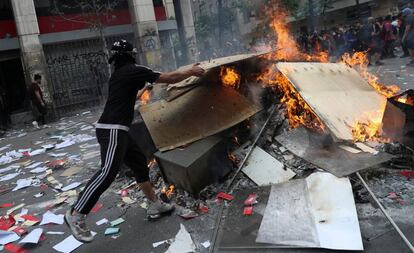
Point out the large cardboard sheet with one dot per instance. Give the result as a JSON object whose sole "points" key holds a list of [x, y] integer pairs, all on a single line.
{"points": [[206, 110], [318, 211], [336, 93], [329, 157]]}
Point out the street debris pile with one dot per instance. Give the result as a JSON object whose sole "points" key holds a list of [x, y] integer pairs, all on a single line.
{"points": [[273, 143]]}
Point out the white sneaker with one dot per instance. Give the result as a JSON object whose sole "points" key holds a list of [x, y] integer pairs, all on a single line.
{"points": [[157, 209], [77, 224]]}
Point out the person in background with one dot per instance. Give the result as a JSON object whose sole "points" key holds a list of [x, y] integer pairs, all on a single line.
{"points": [[408, 37], [401, 31], [388, 37], [38, 102]]}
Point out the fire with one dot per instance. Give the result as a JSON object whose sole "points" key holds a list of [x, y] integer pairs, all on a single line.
{"points": [[145, 97], [297, 111], [229, 77], [152, 163], [170, 191], [233, 158], [369, 127], [359, 61]]}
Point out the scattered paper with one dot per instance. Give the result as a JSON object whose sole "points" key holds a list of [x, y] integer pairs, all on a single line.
{"points": [[8, 177], [71, 171], [38, 195], [50, 217], [23, 183], [33, 237], [68, 245], [182, 242], [34, 165], [117, 222], [11, 210], [128, 200], [39, 169], [55, 233], [156, 244], [71, 186], [65, 144], [9, 168], [206, 244], [37, 152], [111, 231], [5, 147], [58, 154], [8, 237], [101, 222]]}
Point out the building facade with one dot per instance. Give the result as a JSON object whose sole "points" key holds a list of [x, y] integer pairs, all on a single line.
{"points": [[68, 45]]}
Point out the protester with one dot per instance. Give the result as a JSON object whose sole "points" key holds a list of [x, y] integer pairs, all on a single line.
{"points": [[117, 146], [408, 37], [401, 31], [38, 103], [388, 37]]}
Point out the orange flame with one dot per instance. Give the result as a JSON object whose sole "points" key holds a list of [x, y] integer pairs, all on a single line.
{"points": [[297, 111], [229, 77], [359, 61], [170, 191], [145, 97], [369, 126]]}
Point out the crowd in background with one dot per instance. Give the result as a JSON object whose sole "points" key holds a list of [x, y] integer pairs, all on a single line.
{"points": [[381, 37]]}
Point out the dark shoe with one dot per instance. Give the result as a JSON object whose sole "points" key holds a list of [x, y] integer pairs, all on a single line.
{"points": [[379, 63], [405, 56], [158, 209], [77, 224]]}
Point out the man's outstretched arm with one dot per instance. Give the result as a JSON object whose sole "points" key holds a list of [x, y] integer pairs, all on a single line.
{"points": [[180, 75]]}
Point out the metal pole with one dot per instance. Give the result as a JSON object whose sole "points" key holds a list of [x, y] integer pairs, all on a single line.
{"points": [[252, 147], [220, 213], [410, 246]]}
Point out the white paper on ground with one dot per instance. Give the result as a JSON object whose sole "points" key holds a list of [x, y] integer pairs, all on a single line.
{"points": [[182, 242], [69, 244], [55, 233], [50, 217], [264, 169], [58, 154], [9, 168], [39, 169], [206, 244], [5, 147], [48, 146], [33, 237], [326, 205], [37, 152], [23, 183], [8, 177], [8, 237], [156, 244], [103, 221], [34, 165], [65, 144], [24, 211], [71, 186]]}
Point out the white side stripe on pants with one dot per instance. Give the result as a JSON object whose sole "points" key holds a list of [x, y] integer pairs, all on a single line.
{"points": [[110, 153]]}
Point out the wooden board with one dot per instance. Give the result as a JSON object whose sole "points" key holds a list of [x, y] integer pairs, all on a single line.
{"points": [[336, 93], [199, 113]]}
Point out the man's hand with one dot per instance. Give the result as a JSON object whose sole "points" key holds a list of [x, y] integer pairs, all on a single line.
{"points": [[180, 75], [197, 71]]}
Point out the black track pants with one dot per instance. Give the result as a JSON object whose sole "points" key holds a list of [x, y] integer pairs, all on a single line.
{"points": [[117, 147]]}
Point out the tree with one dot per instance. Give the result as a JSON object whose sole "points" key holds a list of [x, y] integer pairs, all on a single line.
{"points": [[90, 12]]}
